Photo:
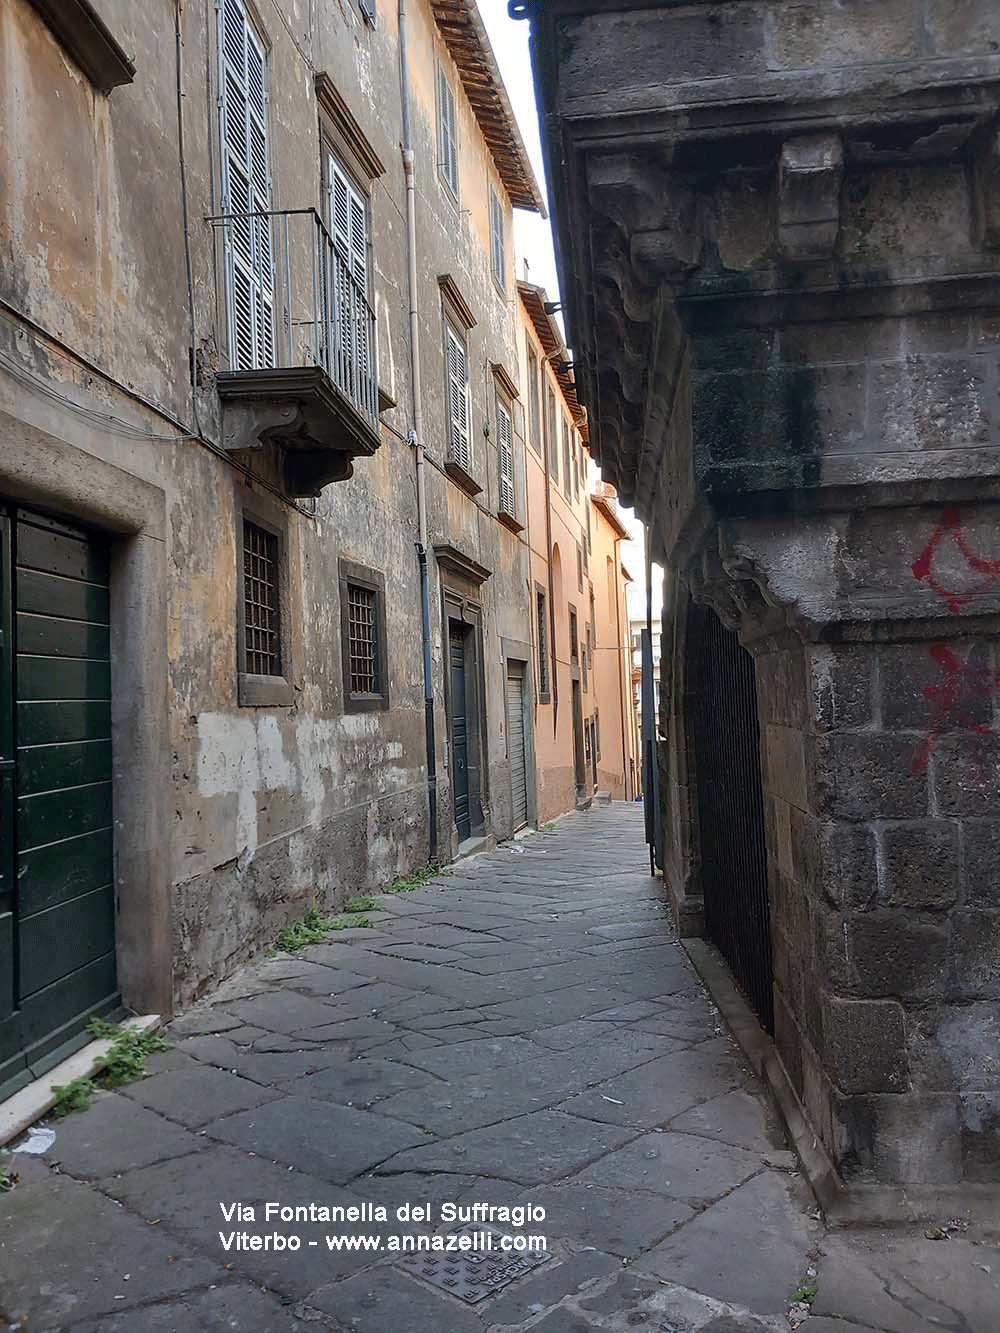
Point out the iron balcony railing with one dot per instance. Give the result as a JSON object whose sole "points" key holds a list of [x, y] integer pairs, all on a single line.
{"points": [[293, 298]]}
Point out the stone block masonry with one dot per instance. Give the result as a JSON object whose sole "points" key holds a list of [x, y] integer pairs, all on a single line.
{"points": [[806, 413]]}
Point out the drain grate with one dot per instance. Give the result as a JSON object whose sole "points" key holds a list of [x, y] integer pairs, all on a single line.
{"points": [[473, 1275]]}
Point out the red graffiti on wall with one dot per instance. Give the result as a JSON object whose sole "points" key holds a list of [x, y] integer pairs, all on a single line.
{"points": [[923, 568], [959, 692]]}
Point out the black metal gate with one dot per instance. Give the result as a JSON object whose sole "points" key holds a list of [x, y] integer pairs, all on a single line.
{"points": [[723, 689]]}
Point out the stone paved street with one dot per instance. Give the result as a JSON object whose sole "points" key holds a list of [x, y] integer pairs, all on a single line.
{"points": [[524, 1029]]}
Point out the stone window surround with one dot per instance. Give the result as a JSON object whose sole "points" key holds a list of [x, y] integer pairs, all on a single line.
{"points": [[264, 691], [39, 469], [350, 572]]}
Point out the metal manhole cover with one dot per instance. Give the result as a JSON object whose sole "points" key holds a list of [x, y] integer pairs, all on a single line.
{"points": [[472, 1275]]}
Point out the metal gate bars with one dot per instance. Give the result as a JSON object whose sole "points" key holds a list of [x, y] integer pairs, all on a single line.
{"points": [[726, 738]]}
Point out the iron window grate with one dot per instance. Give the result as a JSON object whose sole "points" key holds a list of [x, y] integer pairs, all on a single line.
{"points": [[261, 612], [362, 610]]}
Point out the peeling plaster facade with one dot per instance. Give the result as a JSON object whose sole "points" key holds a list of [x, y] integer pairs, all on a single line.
{"points": [[232, 820]]}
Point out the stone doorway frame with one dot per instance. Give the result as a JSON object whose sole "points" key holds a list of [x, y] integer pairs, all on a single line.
{"points": [[39, 470]]}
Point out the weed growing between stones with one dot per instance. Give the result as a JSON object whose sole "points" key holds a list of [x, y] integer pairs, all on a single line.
{"points": [[360, 905], [124, 1063], [413, 882], [313, 930]]}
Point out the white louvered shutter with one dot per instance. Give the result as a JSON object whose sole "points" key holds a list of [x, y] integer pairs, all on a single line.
{"points": [[505, 450], [458, 400], [246, 190], [348, 220]]}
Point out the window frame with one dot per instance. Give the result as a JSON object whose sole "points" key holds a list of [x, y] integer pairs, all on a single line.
{"points": [[552, 434], [506, 511], [542, 645], [567, 482], [350, 573], [464, 465], [534, 410], [447, 122], [254, 691], [335, 163], [498, 241]]}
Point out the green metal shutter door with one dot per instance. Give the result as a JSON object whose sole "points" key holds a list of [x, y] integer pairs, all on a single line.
{"points": [[65, 900]]}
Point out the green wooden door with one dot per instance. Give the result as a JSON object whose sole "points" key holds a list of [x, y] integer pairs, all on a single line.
{"points": [[62, 902], [7, 859], [459, 734]]}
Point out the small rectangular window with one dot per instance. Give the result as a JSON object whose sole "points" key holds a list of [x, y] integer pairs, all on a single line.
{"points": [[567, 479], [363, 645], [447, 135], [505, 457], [574, 638], [498, 242], [459, 431], [362, 618], [579, 567], [576, 465], [543, 646], [261, 611], [534, 423]]}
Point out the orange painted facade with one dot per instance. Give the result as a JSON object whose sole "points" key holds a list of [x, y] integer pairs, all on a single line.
{"points": [[584, 740]]}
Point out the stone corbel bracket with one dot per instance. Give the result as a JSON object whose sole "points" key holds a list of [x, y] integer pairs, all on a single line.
{"points": [[810, 178]]}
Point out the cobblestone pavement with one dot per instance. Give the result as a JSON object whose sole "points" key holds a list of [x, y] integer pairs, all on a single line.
{"points": [[523, 1030]]}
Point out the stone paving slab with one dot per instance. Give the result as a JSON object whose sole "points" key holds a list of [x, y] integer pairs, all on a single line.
{"points": [[526, 1030], [531, 1149], [750, 1249], [196, 1096], [115, 1136], [69, 1253], [223, 1309], [334, 1143]]}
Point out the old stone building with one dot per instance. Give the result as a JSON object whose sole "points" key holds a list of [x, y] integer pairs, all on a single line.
{"points": [[778, 224], [258, 371]]}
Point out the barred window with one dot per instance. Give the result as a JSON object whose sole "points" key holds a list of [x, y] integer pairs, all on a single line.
{"points": [[261, 611], [363, 638], [362, 607], [543, 646]]}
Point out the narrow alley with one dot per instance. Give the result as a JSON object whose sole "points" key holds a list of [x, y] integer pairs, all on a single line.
{"points": [[523, 1030]]}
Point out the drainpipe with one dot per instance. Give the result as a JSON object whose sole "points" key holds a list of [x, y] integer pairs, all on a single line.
{"points": [[417, 434], [621, 665]]}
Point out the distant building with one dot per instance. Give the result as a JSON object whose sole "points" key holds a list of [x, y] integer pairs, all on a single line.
{"points": [[583, 740]]}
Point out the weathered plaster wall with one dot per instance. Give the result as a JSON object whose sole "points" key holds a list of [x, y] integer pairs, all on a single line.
{"points": [[271, 810]]}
